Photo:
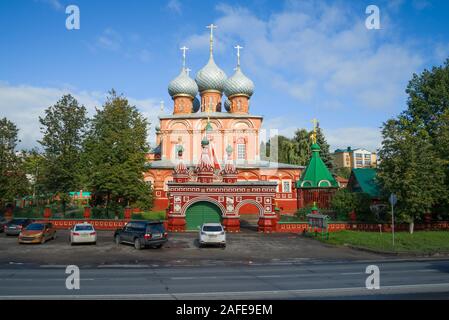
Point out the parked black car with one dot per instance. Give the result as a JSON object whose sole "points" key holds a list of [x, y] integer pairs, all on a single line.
{"points": [[3, 223], [142, 234], [15, 226]]}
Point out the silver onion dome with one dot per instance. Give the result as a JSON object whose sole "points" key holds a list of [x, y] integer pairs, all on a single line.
{"points": [[239, 84], [211, 77], [183, 85], [196, 105], [227, 105]]}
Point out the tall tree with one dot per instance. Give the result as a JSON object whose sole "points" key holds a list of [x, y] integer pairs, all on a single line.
{"points": [[297, 150], [115, 155], [13, 181], [63, 129], [410, 168], [302, 141], [33, 163], [428, 108], [324, 153]]}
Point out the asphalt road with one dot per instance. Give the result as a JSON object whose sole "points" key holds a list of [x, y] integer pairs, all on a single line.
{"points": [[426, 279], [181, 249]]}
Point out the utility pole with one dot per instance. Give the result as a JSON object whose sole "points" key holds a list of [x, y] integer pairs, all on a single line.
{"points": [[393, 199]]}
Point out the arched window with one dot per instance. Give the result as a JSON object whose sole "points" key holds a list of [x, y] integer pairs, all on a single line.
{"points": [[166, 181], [150, 181], [241, 149], [306, 184], [324, 183]]}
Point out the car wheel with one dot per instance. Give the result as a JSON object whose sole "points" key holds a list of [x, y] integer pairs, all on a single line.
{"points": [[137, 244], [117, 239], [43, 240]]}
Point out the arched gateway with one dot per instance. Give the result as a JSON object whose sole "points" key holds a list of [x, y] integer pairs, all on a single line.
{"points": [[202, 212], [198, 196]]}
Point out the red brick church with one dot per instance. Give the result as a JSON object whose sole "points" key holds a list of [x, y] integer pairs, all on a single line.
{"points": [[223, 108]]}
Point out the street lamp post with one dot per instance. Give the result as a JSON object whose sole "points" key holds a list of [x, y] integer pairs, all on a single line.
{"points": [[393, 199]]}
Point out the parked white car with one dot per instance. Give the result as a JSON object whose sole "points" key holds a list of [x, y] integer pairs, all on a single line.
{"points": [[83, 233], [212, 233]]}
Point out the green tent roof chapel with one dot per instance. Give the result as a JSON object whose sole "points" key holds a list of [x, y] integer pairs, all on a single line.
{"points": [[316, 175]]}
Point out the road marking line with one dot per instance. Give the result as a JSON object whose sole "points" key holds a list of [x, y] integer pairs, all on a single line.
{"points": [[350, 273], [238, 294], [124, 266]]}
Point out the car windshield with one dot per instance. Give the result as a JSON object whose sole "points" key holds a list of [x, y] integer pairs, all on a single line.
{"points": [[212, 228], [155, 228], [84, 228], [17, 221], [35, 226]]}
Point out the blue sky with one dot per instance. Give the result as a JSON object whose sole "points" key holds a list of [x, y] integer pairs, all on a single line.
{"points": [[307, 58]]}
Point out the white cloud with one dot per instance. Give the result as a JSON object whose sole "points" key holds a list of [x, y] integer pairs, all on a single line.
{"points": [[356, 137], [55, 4], [421, 4], [442, 52], [130, 46], [23, 104], [109, 39], [175, 6], [316, 51]]}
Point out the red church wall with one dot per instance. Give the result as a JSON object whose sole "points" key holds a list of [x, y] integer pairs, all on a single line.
{"points": [[249, 209], [286, 201]]}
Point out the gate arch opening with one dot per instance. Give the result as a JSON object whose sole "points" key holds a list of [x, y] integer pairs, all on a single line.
{"points": [[201, 212], [249, 211]]}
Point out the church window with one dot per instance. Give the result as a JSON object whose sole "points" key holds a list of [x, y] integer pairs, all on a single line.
{"points": [[239, 105], [286, 186], [241, 151], [324, 183], [175, 150]]}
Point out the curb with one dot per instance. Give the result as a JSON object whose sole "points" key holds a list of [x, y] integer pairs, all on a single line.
{"points": [[401, 253]]}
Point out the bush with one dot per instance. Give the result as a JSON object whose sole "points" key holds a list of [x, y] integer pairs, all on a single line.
{"points": [[103, 213], [345, 201], [302, 213]]}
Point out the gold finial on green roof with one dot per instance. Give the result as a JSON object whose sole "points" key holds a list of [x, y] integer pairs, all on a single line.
{"points": [[314, 132]]}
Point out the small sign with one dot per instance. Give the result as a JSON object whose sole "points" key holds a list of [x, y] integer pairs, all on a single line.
{"points": [[393, 199]]}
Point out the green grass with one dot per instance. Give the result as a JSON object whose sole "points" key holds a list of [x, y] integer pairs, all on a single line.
{"points": [[423, 242], [149, 215]]}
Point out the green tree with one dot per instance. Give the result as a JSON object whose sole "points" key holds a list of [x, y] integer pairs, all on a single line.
{"points": [[33, 162], [13, 181], [115, 156], [428, 109], [302, 142], [63, 129], [415, 151], [297, 150], [411, 169], [324, 153], [344, 172], [345, 201]]}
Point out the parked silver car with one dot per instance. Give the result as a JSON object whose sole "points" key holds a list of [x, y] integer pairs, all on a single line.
{"points": [[15, 226], [213, 234]]}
